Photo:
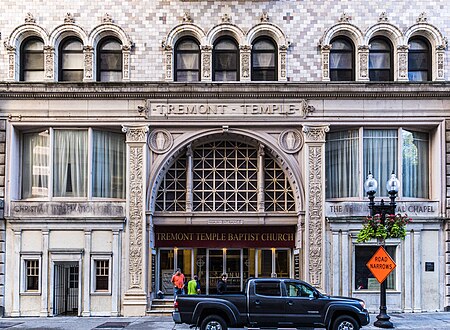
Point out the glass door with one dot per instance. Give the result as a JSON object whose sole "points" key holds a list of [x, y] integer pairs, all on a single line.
{"points": [[233, 267], [215, 269], [273, 263]]}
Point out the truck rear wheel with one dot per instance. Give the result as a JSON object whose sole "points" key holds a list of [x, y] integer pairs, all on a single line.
{"points": [[345, 322], [213, 322]]}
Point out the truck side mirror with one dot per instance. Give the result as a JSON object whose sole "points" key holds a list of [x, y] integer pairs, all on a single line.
{"points": [[316, 294]]}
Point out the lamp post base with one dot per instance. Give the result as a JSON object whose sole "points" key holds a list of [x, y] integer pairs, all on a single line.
{"points": [[383, 321]]}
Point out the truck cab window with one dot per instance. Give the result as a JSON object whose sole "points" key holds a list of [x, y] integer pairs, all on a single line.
{"points": [[268, 289]]}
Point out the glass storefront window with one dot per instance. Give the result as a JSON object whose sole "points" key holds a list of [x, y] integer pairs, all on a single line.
{"points": [[364, 280], [282, 263]]}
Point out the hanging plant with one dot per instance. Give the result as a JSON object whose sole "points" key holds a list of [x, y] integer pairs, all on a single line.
{"points": [[394, 227]]}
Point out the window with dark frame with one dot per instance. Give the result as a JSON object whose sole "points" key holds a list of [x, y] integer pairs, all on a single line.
{"points": [[101, 275], [71, 60], [32, 275], [264, 60], [226, 60], [342, 59], [364, 279], [187, 60], [268, 289], [109, 60], [380, 60], [32, 60], [419, 60]]}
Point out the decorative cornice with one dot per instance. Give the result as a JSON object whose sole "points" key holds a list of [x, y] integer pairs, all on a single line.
{"points": [[144, 91]]}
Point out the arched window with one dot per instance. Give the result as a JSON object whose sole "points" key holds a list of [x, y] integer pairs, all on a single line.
{"points": [[71, 60], [225, 60], [187, 60], [109, 60], [32, 60], [342, 60], [380, 60], [419, 60], [264, 60]]}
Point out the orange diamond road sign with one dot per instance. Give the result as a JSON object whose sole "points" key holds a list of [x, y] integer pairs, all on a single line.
{"points": [[381, 264]]}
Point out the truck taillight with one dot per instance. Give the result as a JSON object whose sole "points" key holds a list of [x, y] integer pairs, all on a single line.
{"points": [[175, 305]]}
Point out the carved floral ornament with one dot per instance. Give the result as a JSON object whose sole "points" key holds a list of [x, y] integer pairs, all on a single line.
{"points": [[29, 19], [69, 19], [135, 134], [107, 18]]}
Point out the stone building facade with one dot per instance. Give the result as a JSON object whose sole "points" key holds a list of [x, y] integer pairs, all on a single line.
{"points": [[218, 137]]}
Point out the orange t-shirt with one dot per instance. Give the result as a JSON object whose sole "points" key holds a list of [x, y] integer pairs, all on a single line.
{"points": [[178, 281]]}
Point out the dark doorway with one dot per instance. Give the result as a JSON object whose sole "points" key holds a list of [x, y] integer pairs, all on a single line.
{"points": [[66, 288]]}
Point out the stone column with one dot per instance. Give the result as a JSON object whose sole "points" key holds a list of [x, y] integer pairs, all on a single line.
{"points": [[88, 52], [44, 276], [206, 63], [402, 52], [245, 52], [12, 65], [126, 50], [87, 274], [315, 196], [440, 63], [135, 297], [49, 63], [115, 283], [282, 60], [417, 270], [363, 63], [325, 62], [168, 65], [336, 264], [16, 290], [189, 178], [408, 278]]}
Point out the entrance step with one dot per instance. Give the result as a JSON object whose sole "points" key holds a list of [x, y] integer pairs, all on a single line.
{"points": [[161, 307]]}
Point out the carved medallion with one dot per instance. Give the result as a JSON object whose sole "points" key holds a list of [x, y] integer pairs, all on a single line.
{"points": [[160, 141], [290, 140]]}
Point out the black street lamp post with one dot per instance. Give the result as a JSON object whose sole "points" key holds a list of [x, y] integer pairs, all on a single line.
{"points": [[392, 186]]}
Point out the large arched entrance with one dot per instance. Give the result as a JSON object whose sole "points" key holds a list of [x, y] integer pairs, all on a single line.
{"points": [[224, 205]]}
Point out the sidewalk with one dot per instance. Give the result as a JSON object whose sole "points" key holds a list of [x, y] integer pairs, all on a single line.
{"points": [[425, 321]]}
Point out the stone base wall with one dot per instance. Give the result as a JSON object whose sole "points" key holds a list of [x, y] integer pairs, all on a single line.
{"points": [[447, 223]]}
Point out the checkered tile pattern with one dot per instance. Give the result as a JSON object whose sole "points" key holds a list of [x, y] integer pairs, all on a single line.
{"points": [[148, 22]]}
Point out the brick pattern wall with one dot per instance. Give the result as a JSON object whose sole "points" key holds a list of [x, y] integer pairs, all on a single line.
{"points": [[148, 22]]}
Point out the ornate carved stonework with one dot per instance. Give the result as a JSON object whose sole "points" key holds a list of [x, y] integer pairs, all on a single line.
{"points": [[69, 19], [315, 215], [440, 64], [88, 61], [136, 134], [422, 18], [11, 65], [345, 18], [246, 65], [225, 18], [160, 141], [48, 63], [264, 17], [315, 133], [107, 18], [136, 261], [325, 62], [29, 19], [206, 65], [290, 140], [126, 64], [168, 65], [187, 18], [383, 17], [283, 65], [363, 62]]}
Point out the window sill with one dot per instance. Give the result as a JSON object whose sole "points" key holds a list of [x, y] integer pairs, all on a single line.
{"points": [[101, 293], [31, 293]]}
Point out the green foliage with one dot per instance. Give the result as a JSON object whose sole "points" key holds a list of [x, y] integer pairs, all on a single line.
{"points": [[394, 226]]}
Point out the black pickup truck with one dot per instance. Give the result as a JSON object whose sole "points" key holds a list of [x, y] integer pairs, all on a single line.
{"points": [[271, 302]]}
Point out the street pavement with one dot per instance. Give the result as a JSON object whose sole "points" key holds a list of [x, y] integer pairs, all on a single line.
{"points": [[401, 321]]}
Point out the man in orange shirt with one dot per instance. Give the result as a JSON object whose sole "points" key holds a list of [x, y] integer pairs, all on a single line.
{"points": [[178, 283]]}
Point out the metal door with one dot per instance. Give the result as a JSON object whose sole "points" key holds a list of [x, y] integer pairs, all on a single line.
{"points": [[66, 284]]}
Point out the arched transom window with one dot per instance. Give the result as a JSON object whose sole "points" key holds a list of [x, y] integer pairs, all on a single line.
{"points": [[225, 177]]}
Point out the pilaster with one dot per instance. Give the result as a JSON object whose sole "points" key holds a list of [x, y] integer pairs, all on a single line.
{"points": [[245, 52], [440, 63], [126, 59], [87, 274], [88, 52], [363, 63], [402, 52], [115, 270], [44, 272], [282, 60], [315, 196], [12, 65], [206, 63], [168, 50], [135, 297], [16, 291], [325, 49], [49, 63]]}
